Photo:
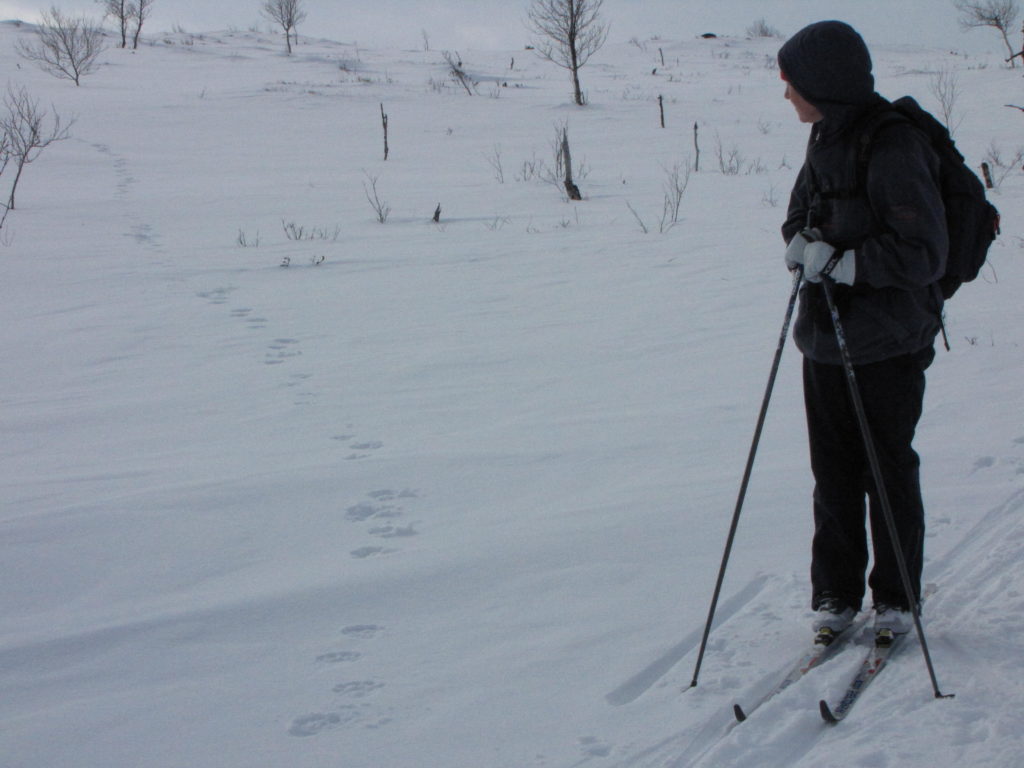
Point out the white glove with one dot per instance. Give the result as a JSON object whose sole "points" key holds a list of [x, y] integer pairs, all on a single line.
{"points": [[816, 257], [795, 251]]}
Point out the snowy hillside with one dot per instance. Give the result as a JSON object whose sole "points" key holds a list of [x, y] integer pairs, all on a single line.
{"points": [[283, 485]]}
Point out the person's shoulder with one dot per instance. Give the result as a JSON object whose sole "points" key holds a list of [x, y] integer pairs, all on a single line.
{"points": [[891, 131]]}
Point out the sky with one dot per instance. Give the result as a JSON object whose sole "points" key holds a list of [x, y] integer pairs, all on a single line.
{"points": [[499, 24]]}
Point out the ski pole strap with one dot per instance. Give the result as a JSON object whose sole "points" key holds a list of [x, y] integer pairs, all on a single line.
{"points": [[831, 264]]}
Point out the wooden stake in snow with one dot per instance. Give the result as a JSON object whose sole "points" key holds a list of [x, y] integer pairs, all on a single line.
{"points": [[570, 187]]}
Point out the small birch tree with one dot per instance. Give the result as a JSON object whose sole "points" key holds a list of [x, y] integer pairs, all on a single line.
{"points": [[140, 11], [121, 12], [26, 131], [570, 32], [67, 47], [1001, 15], [286, 14]]}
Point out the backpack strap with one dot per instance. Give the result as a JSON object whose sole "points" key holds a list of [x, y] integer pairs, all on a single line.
{"points": [[867, 128]]}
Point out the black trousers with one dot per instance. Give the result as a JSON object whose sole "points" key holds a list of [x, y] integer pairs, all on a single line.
{"points": [[892, 392]]}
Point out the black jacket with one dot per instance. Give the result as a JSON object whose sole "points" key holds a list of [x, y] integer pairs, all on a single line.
{"points": [[890, 214]]}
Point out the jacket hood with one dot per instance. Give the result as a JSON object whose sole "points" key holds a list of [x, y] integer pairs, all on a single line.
{"points": [[829, 65]]}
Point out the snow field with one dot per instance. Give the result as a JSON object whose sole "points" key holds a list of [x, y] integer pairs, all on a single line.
{"points": [[454, 494]]}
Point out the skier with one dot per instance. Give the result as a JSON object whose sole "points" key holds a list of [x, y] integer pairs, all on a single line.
{"points": [[890, 230]]}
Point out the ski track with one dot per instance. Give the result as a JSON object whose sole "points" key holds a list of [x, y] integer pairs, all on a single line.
{"points": [[976, 576], [978, 570], [643, 681]]}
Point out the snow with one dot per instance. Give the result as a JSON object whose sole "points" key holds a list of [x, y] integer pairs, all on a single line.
{"points": [[456, 494]]}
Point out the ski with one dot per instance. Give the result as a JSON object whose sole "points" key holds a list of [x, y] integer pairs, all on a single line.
{"points": [[886, 644], [825, 646]]}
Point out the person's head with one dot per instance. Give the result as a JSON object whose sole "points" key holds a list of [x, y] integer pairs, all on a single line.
{"points": [[826, 66]]}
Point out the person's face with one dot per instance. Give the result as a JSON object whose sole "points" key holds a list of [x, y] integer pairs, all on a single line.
{"points": [[805, 111]]}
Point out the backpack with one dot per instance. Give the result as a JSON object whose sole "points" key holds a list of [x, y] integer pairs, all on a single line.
{"points": [[971, 220]]}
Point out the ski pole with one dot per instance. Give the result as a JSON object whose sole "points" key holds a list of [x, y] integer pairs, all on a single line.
{"points": [[797, 278], [876, 470]]}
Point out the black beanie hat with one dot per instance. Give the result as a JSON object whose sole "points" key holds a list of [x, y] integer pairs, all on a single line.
{"points": [[828, 63]]}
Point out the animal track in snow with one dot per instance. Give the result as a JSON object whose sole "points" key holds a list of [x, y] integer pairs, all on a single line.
{"points": [[216, 296], [312, 724], [361, 512], [245, 313], [362, 631], [984, 463], [281, 350], [361, 712], [364, 552], [387, 494], [394, 531], [338, 657], [594, 747], [357, 689], [349, 715], [373, 445], [382, 511], [361, 448]]}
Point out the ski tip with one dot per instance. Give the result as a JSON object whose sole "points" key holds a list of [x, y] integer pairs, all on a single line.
{"points": [[826, 713], [740, 714]]}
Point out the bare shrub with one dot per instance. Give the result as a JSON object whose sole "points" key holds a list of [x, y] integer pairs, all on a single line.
{"points": [[945, 87], [761, 28], [730, 161], [677, 178], [299, 232], [380, 207], [457, 71], [494, 160], [245, 241], [1003, 166]]}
